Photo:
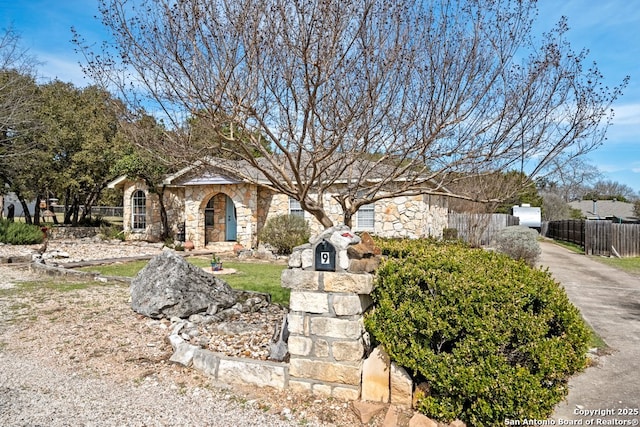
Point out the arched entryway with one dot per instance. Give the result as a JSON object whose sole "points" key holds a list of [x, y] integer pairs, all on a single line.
{"points": [[220, 222]]}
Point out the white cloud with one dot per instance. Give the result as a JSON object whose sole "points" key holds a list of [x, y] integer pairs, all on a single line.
{"points": [[609, 168], [627, 114], [62, 68]]}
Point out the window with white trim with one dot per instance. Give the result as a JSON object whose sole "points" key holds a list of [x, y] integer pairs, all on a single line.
{"points": [[365, 217], [139, 210], [295, 208]]}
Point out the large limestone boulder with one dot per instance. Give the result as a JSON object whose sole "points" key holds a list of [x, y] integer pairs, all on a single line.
{"points": [[171, 287]]}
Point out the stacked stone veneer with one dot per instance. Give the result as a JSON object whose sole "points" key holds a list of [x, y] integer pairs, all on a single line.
{"points": [[327, 340], [244, 200], [400, 216], [174, 205]]}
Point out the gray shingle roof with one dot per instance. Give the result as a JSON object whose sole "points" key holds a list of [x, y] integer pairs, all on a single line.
{"points": [[603, 208]]}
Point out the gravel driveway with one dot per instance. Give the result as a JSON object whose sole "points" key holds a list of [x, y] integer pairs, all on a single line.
{"points": [[76, 355], [100, 365], [36, 394]]}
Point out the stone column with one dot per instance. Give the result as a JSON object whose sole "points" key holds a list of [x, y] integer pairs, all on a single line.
{"points": [[326, 329]]}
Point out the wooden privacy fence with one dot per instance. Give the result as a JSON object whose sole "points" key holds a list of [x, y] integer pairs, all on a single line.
{"points": [[570, 230], [480, 229], [598, 237], [607, 238]]}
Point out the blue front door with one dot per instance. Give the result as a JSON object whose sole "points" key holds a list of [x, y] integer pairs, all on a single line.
{"points": [[231, 224]]}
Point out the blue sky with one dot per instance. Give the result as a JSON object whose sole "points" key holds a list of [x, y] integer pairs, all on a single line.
{"points": [[609, 29]]}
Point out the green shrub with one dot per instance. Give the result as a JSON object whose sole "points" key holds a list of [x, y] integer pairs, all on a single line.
{"points": [[520, 243], [112, 232], [94, 221], [492, 338], [285, 232], [450, 234], [18, 233]]}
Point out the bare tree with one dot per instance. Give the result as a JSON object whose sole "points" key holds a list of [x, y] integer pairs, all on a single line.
{"points": [[387, 98], [570, 179], [555, 208], [18, 94], [608, 189]]}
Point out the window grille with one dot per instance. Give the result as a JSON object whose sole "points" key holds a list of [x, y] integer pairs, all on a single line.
{"points": [[139, 210], [295, 208], [365, 217]]}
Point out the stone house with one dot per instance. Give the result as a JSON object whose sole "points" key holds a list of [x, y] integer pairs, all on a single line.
{"points": [[212, 207]]}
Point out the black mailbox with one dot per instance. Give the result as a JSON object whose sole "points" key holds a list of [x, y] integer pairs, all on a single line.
{"points": [[325, 257]]}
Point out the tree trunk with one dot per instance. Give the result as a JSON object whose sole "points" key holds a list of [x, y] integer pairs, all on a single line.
{"points": [[25, 209], [86, 212], [71, 211], [163, 215], [67, 208], [320, 215], [76, 211], [90, 201], [36, 211], [317, 211], [348, 217]]}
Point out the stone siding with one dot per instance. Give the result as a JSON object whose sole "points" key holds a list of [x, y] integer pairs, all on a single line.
{"points": [[406, 216], [244, 198], [174, 205]]}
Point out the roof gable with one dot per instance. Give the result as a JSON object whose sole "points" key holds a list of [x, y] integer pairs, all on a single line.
{"points": [[206, 177]]}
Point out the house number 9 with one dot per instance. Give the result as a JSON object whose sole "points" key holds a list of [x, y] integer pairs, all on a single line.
{"points": [[324, 258]]}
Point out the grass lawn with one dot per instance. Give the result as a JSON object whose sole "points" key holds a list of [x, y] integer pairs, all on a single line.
{"points": [[260, 277], [571, 246], [630, 265], [595, 341]]}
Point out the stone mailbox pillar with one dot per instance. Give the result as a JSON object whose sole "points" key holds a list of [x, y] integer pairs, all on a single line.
{"points": [[326, 330]]}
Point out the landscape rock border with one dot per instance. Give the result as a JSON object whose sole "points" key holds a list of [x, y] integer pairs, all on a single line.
{"points": [[219, 367]]}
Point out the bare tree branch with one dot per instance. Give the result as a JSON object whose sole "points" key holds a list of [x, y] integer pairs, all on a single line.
{"points": [[388, 98], [18, 96]]}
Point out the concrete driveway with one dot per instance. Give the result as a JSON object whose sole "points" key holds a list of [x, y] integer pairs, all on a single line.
{"points": [[609, 299]]}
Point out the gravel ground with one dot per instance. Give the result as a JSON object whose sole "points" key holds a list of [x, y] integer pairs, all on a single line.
{"points": [[76, 355], [34, 394], [85, 249]]}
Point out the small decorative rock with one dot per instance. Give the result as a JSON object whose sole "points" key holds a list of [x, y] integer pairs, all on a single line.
{"points": [[401, 387], [278, 350], [375, 376], [419, 420], [367, 410]]}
